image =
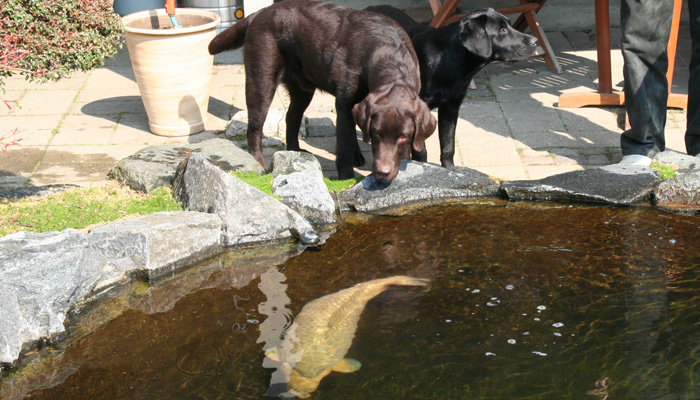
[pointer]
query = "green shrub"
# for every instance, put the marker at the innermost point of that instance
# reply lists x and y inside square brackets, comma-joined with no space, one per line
[49,39]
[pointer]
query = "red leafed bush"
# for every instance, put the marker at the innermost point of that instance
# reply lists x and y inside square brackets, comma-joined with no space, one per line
[49,39]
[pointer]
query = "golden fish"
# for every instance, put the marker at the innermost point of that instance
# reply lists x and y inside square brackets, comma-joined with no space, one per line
[321,335]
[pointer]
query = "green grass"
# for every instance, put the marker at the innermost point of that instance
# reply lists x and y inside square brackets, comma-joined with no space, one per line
[81,208]
[339,186]
[264,182]
[260,182]
[665,171]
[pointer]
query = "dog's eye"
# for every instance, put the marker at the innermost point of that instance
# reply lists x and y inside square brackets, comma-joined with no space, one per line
[503,31]
[402,139]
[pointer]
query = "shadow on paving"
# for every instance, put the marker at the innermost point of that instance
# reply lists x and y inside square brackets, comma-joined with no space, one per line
[42,163]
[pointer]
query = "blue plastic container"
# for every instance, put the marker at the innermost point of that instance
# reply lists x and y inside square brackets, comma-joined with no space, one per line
[126,7]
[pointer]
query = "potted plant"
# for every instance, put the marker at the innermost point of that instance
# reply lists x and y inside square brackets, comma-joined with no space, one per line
[172,66]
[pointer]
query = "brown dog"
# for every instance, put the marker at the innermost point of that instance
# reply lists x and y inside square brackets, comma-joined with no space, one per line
[364,59]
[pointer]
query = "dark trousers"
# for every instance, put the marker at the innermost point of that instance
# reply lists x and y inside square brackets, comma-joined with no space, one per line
[646,26]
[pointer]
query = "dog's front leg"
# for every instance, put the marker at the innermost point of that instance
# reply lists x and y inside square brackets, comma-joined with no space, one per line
[421,155]
[447,123]
[346,143]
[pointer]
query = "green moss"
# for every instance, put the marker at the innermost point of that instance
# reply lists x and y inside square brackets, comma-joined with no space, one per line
[665,171]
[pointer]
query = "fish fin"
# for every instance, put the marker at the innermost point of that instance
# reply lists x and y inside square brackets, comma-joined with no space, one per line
[273,354]
[347,365]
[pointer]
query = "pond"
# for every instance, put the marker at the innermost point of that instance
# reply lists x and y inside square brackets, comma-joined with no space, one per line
[524,301]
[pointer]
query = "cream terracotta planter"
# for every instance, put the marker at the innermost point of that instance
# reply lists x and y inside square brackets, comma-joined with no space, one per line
[173,67]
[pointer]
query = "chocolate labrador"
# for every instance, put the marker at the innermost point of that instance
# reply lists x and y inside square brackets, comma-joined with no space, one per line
[449,58]
[364,59]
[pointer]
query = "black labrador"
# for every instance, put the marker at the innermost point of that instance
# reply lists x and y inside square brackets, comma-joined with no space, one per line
[364,59]
[449,58]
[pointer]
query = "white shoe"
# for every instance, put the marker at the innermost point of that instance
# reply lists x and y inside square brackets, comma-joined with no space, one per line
[636,159]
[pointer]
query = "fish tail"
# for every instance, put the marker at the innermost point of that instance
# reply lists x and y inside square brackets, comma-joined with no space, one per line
[405,281]
[373,288]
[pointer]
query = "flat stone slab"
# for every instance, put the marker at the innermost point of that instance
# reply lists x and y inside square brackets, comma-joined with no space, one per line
[155,166]
[159,243]
[613,184]
[417,183]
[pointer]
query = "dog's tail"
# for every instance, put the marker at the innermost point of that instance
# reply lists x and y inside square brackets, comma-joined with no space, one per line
[232,38]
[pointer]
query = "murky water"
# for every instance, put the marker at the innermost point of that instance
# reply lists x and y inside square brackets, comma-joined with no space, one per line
[524,302]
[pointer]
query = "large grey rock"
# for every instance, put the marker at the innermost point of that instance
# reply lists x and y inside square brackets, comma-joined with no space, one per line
[249,215]
[613,184]
[287,162]
[156,244]
[417,183]
[680,162]
[42,275]
[10,325]
[155,166]
[679,195]
[307,195]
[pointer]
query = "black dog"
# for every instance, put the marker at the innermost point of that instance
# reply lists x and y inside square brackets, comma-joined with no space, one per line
[364,59]
[449,58]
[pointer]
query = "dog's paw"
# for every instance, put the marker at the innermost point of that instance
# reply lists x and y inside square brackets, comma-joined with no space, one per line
[449,164]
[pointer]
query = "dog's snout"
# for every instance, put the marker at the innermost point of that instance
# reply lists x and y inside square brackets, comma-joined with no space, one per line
[382,171]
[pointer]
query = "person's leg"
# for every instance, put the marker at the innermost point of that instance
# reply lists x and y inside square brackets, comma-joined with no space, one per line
[692,133]
[646,26]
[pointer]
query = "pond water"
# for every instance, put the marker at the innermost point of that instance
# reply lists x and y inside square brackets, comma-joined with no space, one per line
[524,301]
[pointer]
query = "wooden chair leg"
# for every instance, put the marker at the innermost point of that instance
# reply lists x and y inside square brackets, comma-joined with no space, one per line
[549,58]
[521,23]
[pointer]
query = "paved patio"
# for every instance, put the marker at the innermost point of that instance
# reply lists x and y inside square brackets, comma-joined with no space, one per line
[77,129]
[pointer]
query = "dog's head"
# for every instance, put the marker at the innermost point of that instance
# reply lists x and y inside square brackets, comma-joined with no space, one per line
[393,119]
[489,34]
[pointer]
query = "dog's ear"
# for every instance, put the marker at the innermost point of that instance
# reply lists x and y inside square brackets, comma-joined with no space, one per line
[472,34]
[362,113]
[424,123]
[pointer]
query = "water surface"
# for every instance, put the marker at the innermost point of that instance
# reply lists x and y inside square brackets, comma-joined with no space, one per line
[524,302]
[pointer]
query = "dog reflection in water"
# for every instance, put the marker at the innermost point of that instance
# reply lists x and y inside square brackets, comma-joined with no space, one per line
[318,340]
